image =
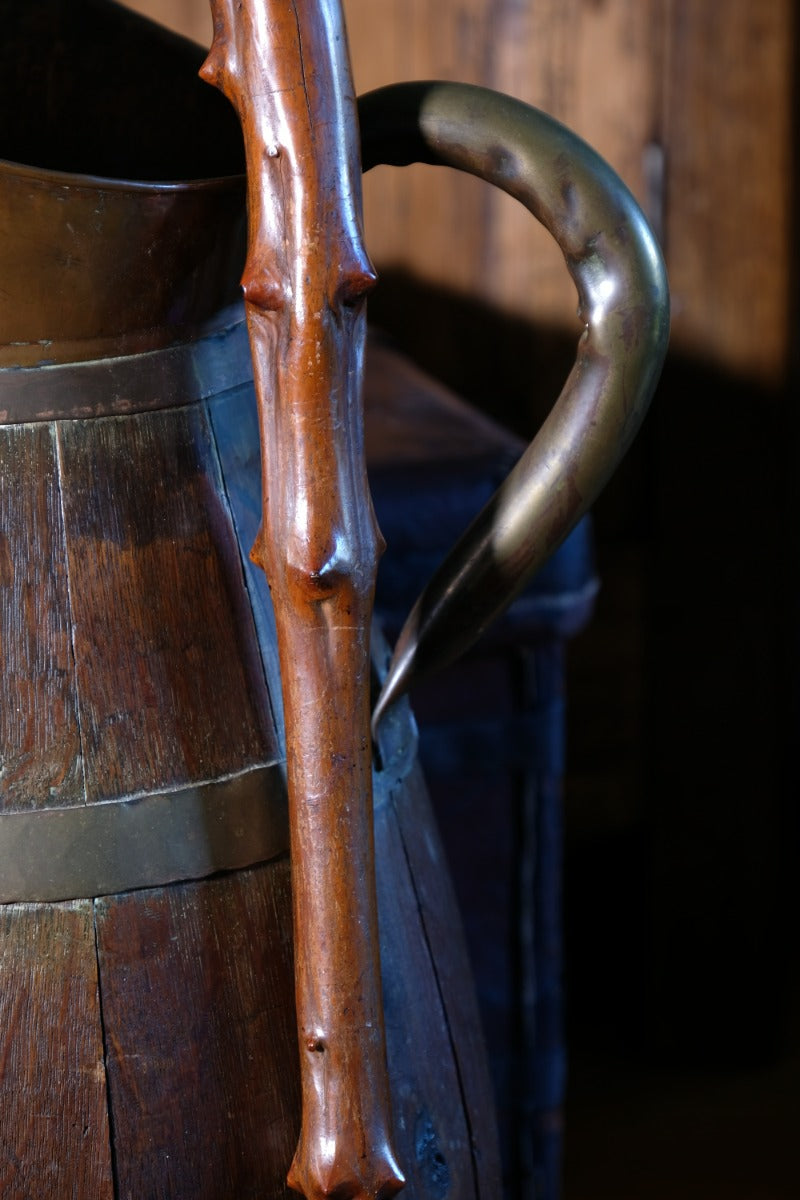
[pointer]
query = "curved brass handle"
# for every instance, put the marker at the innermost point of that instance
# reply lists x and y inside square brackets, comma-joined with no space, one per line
[624,302]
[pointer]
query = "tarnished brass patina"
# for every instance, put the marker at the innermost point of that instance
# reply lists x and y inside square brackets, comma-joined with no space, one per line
[121,191]
[618,270]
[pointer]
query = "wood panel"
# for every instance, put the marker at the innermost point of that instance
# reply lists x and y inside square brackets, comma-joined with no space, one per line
[192,18]
[430,222]
[729,91]
[40,760]
[594,67]
[198,990]
[690,104]
[559,56]
[170,679]
[54,1137]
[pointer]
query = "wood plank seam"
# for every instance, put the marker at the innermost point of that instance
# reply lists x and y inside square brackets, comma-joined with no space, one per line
[70,609]
[109,1100]
[464,1099]
[272,685]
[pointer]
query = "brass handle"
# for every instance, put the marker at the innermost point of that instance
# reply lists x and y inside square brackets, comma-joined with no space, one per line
[618,270]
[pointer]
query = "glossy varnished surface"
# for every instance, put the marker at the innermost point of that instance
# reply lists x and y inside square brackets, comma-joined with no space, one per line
[441,1100]
[284,66]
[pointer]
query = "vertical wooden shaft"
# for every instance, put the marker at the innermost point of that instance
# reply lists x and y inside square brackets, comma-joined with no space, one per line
[284,65]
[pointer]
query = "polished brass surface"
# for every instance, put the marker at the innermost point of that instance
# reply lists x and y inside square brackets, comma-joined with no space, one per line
[619,273]
[89,266]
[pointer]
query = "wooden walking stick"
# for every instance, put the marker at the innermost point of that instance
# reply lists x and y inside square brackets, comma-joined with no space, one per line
[284,66]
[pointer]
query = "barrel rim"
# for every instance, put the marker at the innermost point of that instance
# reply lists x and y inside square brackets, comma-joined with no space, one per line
[105,183]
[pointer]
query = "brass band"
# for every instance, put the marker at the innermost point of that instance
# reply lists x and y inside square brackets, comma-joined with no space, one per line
[144,841]
[152,840]
[163,378]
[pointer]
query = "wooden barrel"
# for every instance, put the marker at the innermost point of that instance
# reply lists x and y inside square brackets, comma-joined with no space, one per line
[149,1046]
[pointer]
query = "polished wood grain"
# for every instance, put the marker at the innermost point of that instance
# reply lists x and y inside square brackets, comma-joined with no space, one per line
[40,762]
[54,1132]
[171,689]
[285,68]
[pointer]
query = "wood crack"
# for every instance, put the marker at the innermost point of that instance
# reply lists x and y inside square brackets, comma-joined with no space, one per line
[70,608]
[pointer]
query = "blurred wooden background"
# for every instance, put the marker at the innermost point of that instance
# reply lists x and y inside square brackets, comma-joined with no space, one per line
[682,833]
[692,107]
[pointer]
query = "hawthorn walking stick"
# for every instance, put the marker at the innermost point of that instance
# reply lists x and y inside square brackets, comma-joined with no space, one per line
[284,66]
